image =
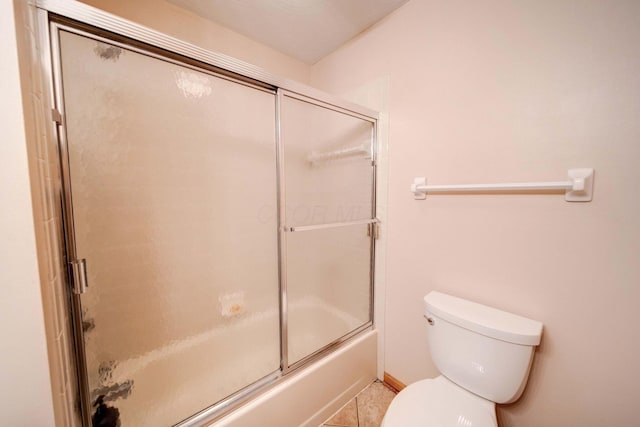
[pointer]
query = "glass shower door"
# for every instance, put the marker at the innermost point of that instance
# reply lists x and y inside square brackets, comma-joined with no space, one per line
[328,219]
[162,162]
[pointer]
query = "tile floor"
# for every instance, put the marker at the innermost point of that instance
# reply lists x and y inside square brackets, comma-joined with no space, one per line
[365,410]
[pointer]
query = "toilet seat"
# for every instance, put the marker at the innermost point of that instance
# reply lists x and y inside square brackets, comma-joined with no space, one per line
[439,403]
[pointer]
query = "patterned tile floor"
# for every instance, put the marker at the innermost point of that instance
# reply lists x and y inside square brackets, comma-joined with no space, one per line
[365,410]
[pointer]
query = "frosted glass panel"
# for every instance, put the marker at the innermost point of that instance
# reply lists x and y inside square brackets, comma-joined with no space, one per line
[182,305]
[328,170]
[328,286]
[328,179]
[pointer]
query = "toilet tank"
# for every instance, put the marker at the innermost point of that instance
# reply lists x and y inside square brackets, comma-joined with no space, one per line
[482,349]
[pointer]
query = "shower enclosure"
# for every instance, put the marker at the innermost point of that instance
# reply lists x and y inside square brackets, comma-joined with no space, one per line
[220,229]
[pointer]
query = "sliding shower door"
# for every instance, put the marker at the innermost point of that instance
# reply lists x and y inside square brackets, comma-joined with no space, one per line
[170,186]
[329,220]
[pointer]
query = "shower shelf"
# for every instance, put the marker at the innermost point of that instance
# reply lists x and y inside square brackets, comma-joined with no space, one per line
[358,150]
[579,187]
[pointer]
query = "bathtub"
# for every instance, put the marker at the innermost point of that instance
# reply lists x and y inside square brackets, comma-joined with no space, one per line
[304,397]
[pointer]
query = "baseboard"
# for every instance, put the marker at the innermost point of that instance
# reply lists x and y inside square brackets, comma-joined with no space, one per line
[393,382]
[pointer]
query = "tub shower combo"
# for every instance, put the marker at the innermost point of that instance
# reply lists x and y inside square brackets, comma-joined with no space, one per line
[220,222]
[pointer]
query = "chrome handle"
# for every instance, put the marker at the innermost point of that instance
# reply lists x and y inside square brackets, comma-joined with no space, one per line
[79,272]
[330,225]
[429,319]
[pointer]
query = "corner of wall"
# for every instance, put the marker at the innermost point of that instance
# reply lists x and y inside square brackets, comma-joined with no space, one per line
[25,387]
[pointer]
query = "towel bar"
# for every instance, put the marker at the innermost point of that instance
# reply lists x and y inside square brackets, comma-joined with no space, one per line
[579,187]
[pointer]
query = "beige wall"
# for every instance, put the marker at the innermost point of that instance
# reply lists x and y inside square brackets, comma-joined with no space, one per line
[25,388]
[175,21]
[515,91]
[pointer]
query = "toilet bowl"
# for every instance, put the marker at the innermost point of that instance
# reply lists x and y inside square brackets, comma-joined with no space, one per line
[439,402]
[484,355]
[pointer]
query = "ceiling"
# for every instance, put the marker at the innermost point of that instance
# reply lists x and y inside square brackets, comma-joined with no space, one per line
[304,29]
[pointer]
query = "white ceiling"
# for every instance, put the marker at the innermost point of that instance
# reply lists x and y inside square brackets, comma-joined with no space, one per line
[304,29]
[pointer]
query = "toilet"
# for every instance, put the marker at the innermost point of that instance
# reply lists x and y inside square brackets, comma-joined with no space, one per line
[484,356]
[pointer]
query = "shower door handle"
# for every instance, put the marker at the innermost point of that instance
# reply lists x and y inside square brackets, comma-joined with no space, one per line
[79,273]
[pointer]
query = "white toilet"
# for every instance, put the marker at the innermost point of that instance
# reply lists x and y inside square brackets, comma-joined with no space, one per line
[484,355]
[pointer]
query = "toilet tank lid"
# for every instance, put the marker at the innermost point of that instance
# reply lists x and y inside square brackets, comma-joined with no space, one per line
[484,320]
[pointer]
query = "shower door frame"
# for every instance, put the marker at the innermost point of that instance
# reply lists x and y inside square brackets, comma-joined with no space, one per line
[54,15]
[283,229]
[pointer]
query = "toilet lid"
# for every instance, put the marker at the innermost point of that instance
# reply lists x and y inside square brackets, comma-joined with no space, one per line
[439,403]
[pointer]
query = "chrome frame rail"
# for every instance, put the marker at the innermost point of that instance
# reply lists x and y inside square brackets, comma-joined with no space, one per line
[282,239]
[229,403]
[330,225]
[57,97]
[374,214]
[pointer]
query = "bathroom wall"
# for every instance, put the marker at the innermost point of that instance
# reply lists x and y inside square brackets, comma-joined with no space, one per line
[514,91]
[25,387]
[175,21]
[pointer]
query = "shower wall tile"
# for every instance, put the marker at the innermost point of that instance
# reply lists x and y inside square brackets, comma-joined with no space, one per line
[38,90]
[43,169]
[47,203]
[60,371]
[52,242]
[28,19]
[64,416]
[41,145]
[61,317]
[57,376]
[64,344]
